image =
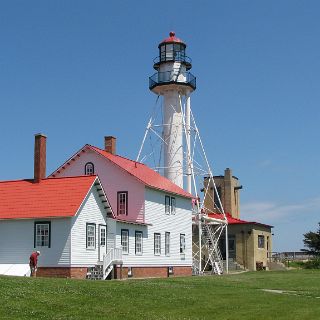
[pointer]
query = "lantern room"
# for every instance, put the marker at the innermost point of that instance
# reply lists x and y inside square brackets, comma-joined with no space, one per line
[172,66]
[172,49]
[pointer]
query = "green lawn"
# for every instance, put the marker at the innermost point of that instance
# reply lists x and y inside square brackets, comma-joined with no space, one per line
[238,296]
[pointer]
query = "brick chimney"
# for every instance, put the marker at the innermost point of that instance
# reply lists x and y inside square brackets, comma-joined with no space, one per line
[39,157]
[110,144]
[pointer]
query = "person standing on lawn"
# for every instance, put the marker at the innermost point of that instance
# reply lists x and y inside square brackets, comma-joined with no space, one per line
[33,263]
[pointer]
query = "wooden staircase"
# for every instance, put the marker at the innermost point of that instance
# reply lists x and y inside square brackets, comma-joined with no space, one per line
[102,270]
[95,273]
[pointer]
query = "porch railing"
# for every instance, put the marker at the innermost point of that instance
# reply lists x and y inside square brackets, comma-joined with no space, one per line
[113,256]
[167,77]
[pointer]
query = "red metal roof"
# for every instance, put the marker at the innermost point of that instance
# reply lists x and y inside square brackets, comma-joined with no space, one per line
[60,197]
[143,173]
[232,220]
[172,38]
[138,170]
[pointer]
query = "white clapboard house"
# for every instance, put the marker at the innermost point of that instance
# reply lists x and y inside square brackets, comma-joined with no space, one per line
[99,215]
[59,217]
[152,216]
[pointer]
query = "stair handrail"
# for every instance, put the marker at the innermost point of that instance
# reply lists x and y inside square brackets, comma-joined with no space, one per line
[107,258]
[113,254]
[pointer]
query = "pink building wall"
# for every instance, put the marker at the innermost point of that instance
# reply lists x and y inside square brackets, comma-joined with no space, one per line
[113,179]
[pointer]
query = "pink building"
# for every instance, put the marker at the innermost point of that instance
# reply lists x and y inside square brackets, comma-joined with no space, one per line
[152,216]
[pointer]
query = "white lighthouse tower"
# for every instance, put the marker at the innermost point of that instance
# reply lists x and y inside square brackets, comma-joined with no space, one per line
[175,83]
[173,147]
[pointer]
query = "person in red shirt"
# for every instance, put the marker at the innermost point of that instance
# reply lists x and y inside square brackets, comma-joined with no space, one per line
[33,263]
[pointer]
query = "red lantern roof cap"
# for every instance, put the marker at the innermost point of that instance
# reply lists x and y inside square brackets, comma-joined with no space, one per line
[172,38]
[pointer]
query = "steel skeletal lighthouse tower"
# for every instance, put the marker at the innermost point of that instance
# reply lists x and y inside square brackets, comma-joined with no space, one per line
[173,147]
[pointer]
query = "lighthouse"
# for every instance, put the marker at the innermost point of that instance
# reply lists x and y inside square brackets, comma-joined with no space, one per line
[174,82]
[172,146]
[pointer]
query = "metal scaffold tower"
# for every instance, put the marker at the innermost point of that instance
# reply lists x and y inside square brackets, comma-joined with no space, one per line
[206,230]
[172,146]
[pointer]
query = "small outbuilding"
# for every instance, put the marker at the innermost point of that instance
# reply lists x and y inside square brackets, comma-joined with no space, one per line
[249,242]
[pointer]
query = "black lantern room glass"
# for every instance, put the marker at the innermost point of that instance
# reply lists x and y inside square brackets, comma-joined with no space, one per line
[172,52]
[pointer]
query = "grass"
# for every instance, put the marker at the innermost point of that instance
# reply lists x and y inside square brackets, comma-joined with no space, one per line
[237,296]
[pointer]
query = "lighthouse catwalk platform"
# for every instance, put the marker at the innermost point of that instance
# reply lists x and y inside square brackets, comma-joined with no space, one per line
[173,147]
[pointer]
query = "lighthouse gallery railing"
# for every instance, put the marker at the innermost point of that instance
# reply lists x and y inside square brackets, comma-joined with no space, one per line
[160,78]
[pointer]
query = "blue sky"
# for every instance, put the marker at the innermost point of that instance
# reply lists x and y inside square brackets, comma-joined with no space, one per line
[78,70]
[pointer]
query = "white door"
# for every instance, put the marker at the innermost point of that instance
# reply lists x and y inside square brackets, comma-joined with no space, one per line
[102,241]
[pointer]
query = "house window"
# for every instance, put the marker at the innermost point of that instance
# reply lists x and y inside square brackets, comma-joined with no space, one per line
[167,204]
[167,244]
[138,245]
[217,196]
[102,237]
[89,168]
[42,234]
[173,205]
[122,203]
[231,244]
[260,241]
[182,243]
[157,244]
[170,205]
[125,241]
[91,236]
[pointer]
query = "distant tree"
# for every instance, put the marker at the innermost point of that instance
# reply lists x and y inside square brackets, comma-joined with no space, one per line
[312,242]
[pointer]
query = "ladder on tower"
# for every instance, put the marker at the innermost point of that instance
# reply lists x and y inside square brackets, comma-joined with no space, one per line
[211,244]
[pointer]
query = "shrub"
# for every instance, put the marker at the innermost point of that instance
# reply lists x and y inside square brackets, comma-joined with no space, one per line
[296,264]
[313,264]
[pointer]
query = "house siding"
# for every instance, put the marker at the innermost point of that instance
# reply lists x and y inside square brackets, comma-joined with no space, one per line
[112,234]
[176,224]
[17,242]
[91,211]
[113,179]
[68,238]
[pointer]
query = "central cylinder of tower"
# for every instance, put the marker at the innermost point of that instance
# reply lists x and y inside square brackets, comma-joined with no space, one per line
[172,137]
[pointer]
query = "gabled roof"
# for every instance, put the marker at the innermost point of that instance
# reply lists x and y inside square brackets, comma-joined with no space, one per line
[232,220]
[138,170]
[60,197]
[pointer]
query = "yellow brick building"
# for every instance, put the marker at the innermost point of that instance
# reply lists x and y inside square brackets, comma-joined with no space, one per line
[250,243]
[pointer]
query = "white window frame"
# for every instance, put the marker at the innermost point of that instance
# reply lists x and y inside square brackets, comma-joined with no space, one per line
[125,241]
[157,244]
[182,243]
[103,236]
[169,205]
[139,242]
[42,234]
[167,244]
[91,236]
[173,205]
